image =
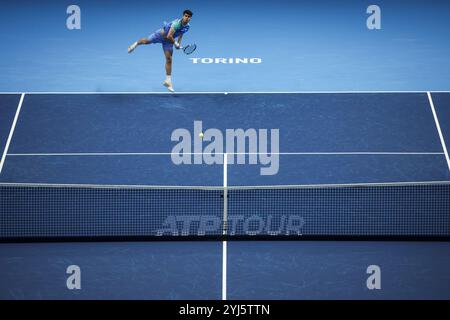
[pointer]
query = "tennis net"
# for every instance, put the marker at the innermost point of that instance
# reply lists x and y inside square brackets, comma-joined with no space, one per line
[29,211]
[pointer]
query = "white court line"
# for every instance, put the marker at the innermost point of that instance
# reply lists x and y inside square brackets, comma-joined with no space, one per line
[224,270]
[11,132]
[436,120]
[225,227]
[227,92]
[93,154]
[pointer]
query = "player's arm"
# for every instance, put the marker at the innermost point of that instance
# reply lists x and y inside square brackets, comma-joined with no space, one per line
[179,39]
[170,35]
[171,39]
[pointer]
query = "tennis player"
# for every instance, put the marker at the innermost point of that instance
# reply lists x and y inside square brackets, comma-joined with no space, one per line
[166,36]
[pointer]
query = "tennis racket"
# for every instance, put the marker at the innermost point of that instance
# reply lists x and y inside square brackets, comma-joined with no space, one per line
[188,49]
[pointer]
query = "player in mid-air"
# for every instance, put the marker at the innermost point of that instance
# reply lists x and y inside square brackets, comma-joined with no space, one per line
[166,36]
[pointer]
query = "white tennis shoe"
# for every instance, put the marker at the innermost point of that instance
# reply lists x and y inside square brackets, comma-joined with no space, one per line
[169,86]
[132,47]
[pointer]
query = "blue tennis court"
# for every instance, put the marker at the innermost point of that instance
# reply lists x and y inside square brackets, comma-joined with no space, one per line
[391,144]
[323,138]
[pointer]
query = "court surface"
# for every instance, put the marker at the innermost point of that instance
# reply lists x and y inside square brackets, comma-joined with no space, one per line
[324,138]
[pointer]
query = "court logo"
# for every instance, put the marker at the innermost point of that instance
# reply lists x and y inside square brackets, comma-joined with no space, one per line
[249,146]
[237,224]
[226,60]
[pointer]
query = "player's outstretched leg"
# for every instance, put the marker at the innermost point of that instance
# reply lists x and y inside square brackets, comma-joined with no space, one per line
[138,43]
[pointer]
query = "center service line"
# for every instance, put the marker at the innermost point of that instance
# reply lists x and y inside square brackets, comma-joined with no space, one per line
[225,219]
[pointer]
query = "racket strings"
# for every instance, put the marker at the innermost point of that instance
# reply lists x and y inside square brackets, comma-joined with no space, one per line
[190,48]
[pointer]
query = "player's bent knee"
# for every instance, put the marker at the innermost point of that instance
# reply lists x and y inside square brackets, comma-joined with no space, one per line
[144,41]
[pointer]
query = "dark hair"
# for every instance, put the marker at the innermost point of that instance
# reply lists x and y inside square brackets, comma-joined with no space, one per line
[189,12]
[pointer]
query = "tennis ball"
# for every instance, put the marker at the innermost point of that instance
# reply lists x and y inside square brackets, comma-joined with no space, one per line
[201,135]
